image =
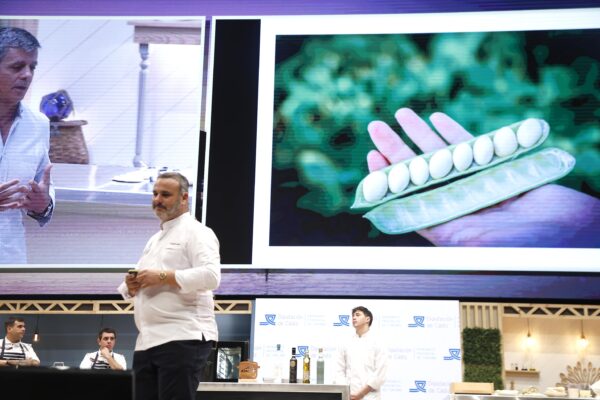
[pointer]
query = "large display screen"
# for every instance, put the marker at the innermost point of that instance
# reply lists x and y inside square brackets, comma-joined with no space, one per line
[288,110]
[317,107]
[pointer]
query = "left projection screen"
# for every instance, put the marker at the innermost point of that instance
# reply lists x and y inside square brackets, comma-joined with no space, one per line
[136,87]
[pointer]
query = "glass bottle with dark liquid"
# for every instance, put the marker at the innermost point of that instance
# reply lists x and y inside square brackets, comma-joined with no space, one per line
[293,367]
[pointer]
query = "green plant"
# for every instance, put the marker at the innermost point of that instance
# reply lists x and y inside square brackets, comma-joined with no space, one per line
[482,356]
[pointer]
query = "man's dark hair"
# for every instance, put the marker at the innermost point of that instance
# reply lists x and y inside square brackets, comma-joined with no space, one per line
[184,184]
[106,330]
[365,311]
[17,38]
[11,321]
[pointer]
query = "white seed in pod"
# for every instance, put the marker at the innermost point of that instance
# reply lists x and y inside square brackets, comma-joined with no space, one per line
[419,171]
[505,142]
[398,178]
[462,156]
[529,132]
[440,163]
[375,186]
[483,150]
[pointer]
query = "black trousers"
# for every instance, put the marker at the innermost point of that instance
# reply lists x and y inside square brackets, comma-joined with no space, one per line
[170,371]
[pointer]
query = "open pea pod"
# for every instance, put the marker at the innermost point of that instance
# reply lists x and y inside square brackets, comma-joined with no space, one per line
[472,193]
[361,202]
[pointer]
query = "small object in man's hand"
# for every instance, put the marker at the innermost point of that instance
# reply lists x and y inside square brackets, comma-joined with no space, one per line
[133,272]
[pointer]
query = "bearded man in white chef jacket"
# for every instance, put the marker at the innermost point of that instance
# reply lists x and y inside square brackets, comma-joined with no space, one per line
[172,291]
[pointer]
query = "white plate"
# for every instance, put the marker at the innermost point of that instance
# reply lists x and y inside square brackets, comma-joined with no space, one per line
[555,394]
[506,392]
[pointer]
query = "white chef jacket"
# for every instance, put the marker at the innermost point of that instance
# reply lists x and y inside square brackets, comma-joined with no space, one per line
[164,313]
[360,362]
[97,360]
[17,351]
[24,157]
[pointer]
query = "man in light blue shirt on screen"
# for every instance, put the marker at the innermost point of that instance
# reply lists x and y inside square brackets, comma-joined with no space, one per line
[25,184]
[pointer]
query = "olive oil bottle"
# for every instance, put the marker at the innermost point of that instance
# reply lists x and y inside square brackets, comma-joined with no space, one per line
[306,368]
[293,367]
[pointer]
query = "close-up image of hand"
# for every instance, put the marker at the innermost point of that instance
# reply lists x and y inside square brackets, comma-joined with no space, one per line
[38,196]
[11,194]
[548,216]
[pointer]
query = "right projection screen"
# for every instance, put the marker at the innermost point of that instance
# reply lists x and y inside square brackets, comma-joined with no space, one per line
[463,141]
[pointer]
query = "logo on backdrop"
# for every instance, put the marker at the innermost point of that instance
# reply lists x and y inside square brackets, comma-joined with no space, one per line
[343,321]
[301,351]
[419,387]
[269,319]
[419,322]
[454,355]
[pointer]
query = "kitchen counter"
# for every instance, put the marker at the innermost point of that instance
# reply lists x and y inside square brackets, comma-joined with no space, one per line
[495,397]
[94,184]
[272,391]
[96,220]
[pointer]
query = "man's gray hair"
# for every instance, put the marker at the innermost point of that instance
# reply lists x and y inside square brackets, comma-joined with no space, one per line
[184,184]
[17,38]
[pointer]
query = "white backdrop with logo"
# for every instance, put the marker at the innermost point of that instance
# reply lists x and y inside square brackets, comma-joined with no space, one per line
[422,337]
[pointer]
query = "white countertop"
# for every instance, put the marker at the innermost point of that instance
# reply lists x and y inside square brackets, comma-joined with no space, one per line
[94,184]
[344,390]
[518,397]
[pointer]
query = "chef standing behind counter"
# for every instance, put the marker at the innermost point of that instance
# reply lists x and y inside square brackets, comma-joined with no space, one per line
[362,362]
